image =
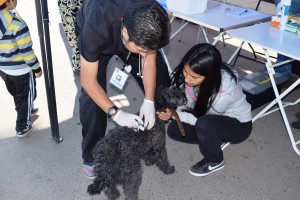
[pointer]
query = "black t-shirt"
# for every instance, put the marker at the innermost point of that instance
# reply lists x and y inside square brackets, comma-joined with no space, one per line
[100,27]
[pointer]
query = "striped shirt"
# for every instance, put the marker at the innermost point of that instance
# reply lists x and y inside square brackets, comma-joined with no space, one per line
[16,51]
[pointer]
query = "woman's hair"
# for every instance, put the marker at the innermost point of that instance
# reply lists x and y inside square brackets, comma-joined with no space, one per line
[204,59]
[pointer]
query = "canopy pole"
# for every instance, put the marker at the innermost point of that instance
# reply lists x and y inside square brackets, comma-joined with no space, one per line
[44,36]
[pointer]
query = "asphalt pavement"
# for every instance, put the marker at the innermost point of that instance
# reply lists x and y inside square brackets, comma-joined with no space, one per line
[264,167]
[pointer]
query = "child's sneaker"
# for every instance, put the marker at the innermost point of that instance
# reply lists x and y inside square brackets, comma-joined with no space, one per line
[25,131]
[204,167]
[88,170]
[34,111]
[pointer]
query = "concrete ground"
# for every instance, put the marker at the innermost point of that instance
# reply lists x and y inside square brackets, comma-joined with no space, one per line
[35,167]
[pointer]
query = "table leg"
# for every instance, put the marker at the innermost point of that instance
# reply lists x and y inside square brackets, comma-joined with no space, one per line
[204,33]
[235,53]
[217,38]
[176,32]
[277,100]
[166,60]
[172,36]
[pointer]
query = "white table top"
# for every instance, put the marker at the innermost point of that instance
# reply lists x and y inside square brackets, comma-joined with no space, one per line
[270,38]
[222,17]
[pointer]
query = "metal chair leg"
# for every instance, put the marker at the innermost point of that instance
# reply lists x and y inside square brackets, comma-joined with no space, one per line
[180,34]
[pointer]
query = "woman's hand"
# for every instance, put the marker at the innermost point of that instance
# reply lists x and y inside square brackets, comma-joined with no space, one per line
[165,115]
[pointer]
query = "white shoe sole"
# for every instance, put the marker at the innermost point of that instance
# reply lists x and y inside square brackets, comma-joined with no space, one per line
[195,174]
[89,177]
[24,135]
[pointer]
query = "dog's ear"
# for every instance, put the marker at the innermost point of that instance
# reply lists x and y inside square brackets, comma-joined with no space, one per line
[169,97]
[178,96]
[159,99]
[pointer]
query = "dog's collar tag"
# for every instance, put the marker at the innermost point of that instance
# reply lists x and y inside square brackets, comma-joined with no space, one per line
[118,78]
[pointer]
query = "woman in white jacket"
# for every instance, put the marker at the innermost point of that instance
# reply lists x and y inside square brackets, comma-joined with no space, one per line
[216,112]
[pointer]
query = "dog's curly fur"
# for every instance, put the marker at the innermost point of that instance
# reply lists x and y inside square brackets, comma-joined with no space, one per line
[118,155]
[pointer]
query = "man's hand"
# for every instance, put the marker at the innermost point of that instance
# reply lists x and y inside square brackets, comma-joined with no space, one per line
[147,112]
[127,119]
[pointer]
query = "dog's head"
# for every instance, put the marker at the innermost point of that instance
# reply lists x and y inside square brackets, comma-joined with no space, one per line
[169,97]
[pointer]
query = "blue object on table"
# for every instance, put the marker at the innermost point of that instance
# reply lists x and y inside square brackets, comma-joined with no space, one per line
[162,3]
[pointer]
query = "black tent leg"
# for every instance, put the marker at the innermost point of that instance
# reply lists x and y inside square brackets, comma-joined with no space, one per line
[43,30]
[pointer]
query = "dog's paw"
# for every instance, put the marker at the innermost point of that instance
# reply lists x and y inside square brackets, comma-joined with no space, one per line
[169,170]
[92,190]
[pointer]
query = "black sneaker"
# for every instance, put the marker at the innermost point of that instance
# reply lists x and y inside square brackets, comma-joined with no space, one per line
[34,111]
[25,131]
[224,145]
[204,167]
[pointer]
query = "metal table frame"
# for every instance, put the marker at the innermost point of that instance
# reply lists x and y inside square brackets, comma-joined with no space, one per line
[283,42]
[217,17]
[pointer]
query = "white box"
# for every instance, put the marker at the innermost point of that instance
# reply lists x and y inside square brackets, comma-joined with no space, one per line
[187,6]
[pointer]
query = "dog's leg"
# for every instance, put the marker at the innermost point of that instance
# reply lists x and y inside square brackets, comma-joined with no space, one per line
[132,184]
[102,180]
[150,157]
[96,187]
[112,192]
[162,162]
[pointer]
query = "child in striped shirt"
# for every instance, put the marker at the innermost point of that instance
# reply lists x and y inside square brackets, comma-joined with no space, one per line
[18,64]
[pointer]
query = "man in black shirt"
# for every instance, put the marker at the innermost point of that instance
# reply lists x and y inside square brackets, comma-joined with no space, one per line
[103,29]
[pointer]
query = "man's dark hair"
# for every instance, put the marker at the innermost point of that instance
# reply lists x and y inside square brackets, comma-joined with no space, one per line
[148,25]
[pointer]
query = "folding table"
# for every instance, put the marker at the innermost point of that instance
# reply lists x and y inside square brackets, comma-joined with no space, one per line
[283,42]
[218,16]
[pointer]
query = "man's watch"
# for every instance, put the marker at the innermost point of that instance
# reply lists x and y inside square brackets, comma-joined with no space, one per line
[112,111]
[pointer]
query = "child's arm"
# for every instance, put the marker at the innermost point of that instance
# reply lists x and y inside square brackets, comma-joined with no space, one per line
[24,42]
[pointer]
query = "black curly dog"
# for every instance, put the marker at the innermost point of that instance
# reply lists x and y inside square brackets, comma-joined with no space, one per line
[118,155]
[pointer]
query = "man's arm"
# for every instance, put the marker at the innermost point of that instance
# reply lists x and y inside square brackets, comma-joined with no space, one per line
[149,75]
[88,78]
[147,111]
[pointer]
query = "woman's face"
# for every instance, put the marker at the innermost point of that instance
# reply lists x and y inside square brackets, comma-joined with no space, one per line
[191,78]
